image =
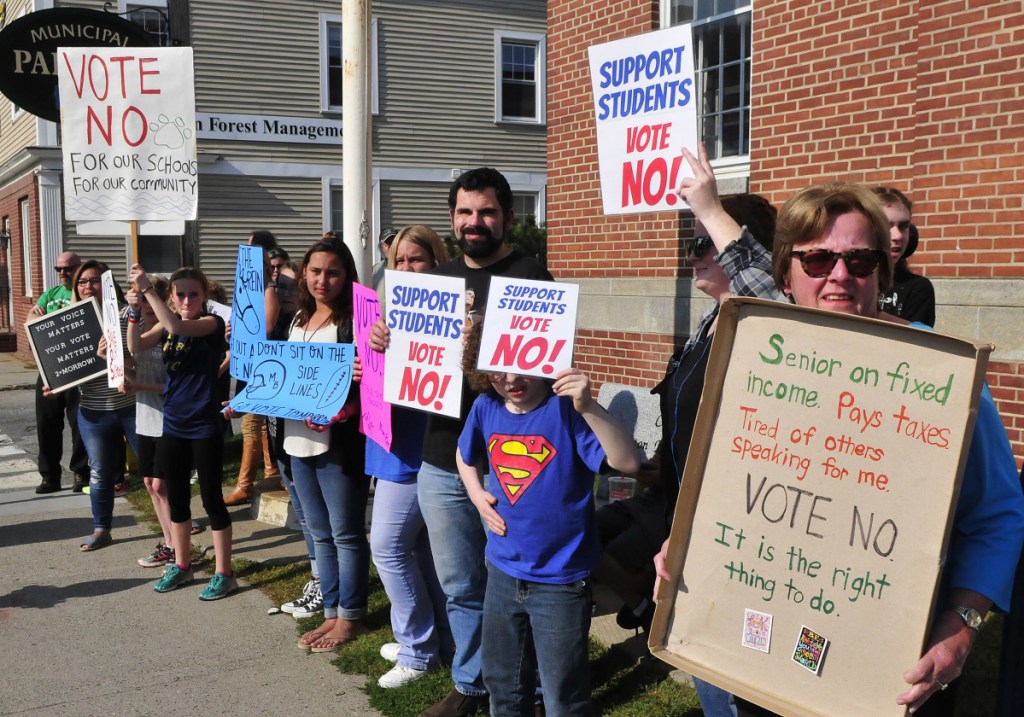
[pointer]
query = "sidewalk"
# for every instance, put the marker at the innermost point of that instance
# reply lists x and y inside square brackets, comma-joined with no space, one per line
[16,372]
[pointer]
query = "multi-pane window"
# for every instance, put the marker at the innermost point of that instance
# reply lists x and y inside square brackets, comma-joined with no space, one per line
[151,17]
[524,204]
[721,40]
[331,63]
[519,77]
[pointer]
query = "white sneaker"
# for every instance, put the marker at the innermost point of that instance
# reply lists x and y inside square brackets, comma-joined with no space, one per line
[389,651]
[308,591]
[399,676]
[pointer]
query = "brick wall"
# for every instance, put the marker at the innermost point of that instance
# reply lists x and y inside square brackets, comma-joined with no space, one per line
[24,188]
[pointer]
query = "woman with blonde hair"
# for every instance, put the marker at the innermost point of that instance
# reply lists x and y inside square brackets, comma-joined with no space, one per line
[398,537]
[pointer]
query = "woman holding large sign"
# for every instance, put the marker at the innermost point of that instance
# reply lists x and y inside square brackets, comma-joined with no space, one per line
[328,461]
[831,252]
[106,418]
[398,540]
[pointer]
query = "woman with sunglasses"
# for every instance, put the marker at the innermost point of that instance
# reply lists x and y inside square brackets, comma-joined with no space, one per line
[723,266]
[106,418]
[831,252]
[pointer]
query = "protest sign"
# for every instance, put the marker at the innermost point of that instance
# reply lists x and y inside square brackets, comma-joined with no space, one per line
[128,133]
[530,327]
[112,332]
[815,506]
[645,109]
[424,362]
[298,380]
[375,416]
[64,344]
[218,309]
[248,311]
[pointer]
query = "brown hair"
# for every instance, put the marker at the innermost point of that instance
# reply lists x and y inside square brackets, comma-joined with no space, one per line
[84,267]
[423,237]
[477,380]
[341,311]
[756,213]
[804,217]
[189,272]
[891,195]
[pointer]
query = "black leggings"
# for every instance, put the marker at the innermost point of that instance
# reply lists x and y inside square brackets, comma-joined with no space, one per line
[176,457]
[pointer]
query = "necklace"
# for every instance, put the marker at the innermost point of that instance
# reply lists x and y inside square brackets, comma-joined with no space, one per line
[305,335]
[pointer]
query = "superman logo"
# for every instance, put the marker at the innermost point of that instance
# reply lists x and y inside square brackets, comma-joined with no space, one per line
[517,461]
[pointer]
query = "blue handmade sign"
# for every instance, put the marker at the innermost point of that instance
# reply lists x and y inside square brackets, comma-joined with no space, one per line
[296,379]
[248,311]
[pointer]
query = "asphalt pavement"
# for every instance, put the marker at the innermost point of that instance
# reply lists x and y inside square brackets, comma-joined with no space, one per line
[85,634]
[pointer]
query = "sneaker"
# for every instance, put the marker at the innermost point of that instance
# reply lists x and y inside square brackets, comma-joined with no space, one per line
[307,593]
[173,577]
[158,558]
[312,606]
[399,676]
[389,651]
[220,586]
[120,489]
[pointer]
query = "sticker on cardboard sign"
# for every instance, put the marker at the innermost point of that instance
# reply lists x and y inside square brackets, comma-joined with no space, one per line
[757,630]
[810,649]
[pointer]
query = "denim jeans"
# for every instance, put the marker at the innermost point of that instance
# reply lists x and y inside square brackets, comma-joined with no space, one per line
[714,701]
[401,552]
[457,541]
[335,508]
[293,495]
[532,628]
[101,433]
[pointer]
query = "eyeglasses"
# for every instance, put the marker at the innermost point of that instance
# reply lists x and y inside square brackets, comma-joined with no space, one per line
[95,281]
[819,263]
[699,246]
[66,269]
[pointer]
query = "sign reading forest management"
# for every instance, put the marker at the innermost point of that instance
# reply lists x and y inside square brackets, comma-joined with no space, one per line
[268,128]
[814,507]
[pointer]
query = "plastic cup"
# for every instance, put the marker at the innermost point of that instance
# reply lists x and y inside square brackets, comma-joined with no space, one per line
[620,487]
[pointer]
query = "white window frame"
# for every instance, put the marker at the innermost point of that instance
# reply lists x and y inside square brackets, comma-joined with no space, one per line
[538,40]
[25,229]
[735,166]
[326,20]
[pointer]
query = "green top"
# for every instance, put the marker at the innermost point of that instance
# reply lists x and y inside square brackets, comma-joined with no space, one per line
[54,299]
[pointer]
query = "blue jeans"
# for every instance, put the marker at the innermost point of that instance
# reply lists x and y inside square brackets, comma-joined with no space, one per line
[300,516]
[335,509]
[715,701]
[532,628]
[401,552]
[101,433]
[457,541]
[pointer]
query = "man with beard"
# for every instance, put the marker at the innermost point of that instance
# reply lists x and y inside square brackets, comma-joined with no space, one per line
[480,207]
[51,410]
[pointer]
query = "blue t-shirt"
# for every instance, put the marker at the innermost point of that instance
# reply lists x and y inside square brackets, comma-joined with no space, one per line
[191,402]
[542,473]
[403,462]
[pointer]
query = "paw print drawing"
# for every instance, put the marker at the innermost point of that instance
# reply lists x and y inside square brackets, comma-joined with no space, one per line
[170,134]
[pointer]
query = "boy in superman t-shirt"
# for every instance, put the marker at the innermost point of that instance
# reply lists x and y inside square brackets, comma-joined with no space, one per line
[544,443]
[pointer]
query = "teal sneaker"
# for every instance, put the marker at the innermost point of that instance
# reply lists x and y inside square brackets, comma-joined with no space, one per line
[173,577]
[220,586]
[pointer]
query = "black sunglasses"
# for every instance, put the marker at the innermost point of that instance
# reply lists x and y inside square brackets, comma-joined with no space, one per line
[699,246]
[819,263]
[66,269]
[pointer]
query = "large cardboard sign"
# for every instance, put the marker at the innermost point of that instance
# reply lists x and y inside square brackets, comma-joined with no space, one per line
[298,380]
[645,110]
[814,507]
[128,133]
[64,344]
[425,314]
[112,332]
[530,327]
[248,311]
[375,412]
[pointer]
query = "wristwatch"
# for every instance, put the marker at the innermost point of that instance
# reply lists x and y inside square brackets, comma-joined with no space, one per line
[971,617]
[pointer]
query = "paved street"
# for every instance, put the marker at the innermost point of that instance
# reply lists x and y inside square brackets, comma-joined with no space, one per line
[84,633]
